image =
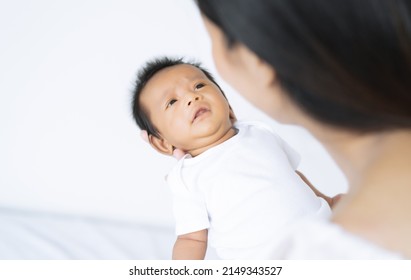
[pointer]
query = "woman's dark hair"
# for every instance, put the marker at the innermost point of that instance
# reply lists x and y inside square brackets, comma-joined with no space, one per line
[144,75]
[345,62]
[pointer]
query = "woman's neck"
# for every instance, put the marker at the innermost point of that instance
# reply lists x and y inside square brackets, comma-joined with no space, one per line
[377,206]
[378,168]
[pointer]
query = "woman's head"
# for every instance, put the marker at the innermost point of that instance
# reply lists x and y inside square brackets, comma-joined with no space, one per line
[345,63]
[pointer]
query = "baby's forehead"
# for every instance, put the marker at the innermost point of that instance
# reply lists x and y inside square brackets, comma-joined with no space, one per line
[173,76]
[183,72]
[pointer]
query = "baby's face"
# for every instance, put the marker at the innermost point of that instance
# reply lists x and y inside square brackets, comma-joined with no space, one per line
[188,110]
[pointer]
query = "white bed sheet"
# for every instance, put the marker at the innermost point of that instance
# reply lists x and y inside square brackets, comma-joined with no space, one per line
[43,235]
[36,235]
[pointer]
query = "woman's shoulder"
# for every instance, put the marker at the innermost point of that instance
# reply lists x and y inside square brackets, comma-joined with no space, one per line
[321,239]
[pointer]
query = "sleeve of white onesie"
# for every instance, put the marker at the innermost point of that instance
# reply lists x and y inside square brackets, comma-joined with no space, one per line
[189,207]
[293,156]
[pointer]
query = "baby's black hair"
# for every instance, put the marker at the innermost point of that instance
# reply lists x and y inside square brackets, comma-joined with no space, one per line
[144,75]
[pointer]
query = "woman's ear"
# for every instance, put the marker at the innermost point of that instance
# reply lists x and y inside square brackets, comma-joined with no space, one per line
[161,145]
[262,71]
[267,73]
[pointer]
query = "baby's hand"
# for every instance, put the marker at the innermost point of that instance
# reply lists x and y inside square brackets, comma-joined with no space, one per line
[177,153]
[335,199]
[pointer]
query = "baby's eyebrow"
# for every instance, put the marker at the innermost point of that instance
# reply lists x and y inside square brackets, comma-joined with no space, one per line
[167,92]
[198,77]
[166,96]
[195,76]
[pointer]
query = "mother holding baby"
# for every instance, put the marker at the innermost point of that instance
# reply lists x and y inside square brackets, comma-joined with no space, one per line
[341,69]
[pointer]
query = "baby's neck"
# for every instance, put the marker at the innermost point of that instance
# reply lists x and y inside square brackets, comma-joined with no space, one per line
[230,133]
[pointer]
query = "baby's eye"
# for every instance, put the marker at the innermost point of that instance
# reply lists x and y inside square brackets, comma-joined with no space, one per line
[171,102]
[200,85]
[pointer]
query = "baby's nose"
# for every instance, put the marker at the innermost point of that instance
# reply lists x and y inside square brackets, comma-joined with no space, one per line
[191,100]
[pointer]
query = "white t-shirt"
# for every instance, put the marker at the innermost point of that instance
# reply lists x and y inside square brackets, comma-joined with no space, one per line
[244,191]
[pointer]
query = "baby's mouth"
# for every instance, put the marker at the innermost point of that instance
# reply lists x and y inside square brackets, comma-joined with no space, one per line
[200,112]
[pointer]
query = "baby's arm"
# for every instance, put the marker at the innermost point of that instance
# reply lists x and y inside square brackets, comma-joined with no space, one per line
[191,246]
[332,201]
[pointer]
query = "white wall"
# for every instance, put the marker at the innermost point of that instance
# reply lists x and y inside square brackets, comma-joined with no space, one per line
[67,139]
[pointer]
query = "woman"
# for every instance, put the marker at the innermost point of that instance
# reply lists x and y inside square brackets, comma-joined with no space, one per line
[341,69]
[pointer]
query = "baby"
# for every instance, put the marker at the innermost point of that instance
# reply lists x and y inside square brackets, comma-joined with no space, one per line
[237,186]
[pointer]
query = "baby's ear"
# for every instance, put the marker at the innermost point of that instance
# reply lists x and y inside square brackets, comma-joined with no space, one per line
[161,145]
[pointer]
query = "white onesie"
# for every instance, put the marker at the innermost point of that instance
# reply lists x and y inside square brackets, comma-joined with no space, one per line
[244,191]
